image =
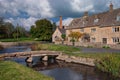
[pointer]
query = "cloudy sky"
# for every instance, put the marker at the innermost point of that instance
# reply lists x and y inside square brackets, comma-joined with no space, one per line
[26,12]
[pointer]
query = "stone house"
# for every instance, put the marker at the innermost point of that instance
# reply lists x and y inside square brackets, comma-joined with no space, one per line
[56,37]
[98,28]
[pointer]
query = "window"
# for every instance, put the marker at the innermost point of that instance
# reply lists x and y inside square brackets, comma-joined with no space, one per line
[104,40]
[116,39]
[81,30]
[93,30]
[115,29]
[96,20]
[93,39]
[118,18]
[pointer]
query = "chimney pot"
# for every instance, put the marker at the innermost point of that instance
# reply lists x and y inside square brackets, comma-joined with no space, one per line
[111,7]
[85,13]
[60,25]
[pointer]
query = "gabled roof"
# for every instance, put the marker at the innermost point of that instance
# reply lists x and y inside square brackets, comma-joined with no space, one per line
[104,19]
[62,30]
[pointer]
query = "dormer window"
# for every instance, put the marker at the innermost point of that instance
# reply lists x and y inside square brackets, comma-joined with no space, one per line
[118,18]
[115,29]
[96,20]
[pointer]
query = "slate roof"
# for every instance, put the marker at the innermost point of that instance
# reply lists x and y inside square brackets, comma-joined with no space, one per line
[104,19]
[62,30]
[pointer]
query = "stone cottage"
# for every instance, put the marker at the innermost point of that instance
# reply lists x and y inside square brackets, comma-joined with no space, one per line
[56,37]
[98,28]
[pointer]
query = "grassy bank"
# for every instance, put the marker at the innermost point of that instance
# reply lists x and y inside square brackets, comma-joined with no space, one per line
[70,50]
[14,71]
[110,64]
[106,62]
[16,40]
[53,47]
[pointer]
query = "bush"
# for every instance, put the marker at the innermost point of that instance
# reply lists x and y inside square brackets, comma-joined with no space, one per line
[106,47]
[110,64]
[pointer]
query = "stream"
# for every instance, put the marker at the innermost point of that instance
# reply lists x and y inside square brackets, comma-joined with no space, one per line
[59,70]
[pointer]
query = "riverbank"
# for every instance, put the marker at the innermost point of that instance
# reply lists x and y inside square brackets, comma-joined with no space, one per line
[106,62]
[1,47]
[14,71]
[73,54]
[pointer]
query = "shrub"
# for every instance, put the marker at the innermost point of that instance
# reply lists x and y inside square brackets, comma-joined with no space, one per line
[110,64]
[106,47]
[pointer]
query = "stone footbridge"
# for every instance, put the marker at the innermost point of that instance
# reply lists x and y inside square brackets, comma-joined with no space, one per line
[45,55]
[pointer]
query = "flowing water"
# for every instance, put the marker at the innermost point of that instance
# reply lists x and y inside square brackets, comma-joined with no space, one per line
[59,70]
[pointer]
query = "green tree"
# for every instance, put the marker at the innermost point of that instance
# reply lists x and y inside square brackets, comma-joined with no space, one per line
[33,31]
[19,32]
[42,30]
[75,36]
[63,37]
[6,29]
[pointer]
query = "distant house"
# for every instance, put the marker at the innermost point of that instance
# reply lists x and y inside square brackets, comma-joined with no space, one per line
[56,37]
[98,28]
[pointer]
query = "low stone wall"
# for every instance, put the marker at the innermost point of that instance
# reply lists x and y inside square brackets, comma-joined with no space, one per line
[80,60]
[96,45]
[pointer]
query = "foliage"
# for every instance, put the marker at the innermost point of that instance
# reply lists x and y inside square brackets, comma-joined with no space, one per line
[63,36]
[106,47]
[75,35]
[14,71]
[42,30]
[7,30]
[54,26]
[110,64]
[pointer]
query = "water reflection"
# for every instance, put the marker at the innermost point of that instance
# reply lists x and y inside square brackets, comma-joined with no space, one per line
[15,49]
[61,70]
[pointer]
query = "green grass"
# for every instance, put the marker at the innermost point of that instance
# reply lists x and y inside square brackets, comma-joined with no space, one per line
[16,40]
[106,62]
[71,50]
[14,71]
[53,47]
[110,64]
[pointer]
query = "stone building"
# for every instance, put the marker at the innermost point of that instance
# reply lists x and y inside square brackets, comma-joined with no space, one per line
[56,37]
[98,28]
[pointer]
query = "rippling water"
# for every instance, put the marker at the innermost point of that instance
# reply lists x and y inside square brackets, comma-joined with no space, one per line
[59,70]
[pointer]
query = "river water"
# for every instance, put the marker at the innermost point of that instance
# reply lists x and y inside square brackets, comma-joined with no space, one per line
[59,70]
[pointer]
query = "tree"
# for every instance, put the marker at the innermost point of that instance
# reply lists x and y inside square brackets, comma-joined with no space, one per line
[54,26]
[33,31]
[19,32]
[63,37]
[6,29]
[42,30]
[75,36]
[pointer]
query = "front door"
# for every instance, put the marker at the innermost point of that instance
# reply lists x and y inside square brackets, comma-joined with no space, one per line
[105,40]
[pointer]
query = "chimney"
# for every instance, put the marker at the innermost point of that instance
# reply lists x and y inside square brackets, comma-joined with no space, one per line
[86,13]
[111,7]
[60,25]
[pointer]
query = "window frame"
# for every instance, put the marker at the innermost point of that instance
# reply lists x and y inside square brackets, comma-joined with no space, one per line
[118,18]
[116,39]
[93,29]
[115,29]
